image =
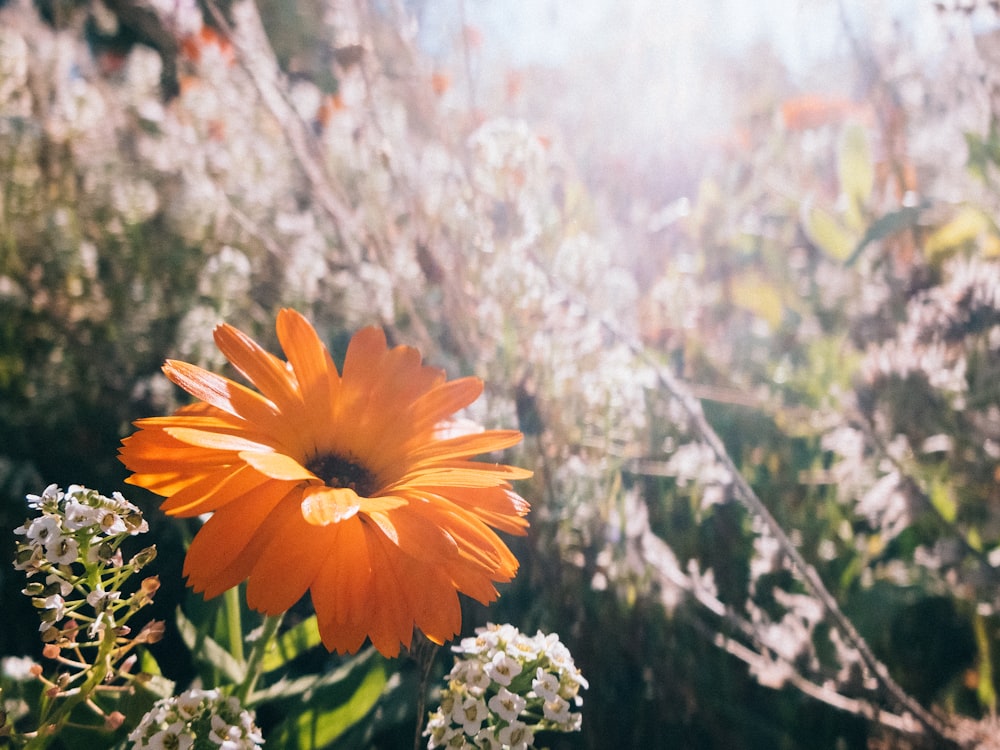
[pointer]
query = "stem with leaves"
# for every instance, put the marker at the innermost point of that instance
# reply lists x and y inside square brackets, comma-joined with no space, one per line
[746,494]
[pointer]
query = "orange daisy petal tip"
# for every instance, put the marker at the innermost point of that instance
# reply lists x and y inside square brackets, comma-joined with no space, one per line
[355,486]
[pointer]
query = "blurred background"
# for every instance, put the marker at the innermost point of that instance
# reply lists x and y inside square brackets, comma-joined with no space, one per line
[784,212]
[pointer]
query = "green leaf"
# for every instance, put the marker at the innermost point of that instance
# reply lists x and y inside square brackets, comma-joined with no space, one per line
[207,651]
[856,172]
[827,233]
[985,690]
[333,709]
[752,291]
[886,226]
[943,501]
[154,681]
[292,643]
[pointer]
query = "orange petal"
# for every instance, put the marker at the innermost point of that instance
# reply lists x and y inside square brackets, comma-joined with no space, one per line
[214,441]
[222,393]
[271,376]
[482,475]
[314,368]
[340,592]
[213,491]
[323,505]
[277,465]
[287,565]
[464,446]
[364,353]
[443,401]
[415,534]
[217,558]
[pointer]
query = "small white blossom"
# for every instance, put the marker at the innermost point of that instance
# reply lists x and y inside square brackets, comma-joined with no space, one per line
[557,710]
[176,718]
[62,551]
[472,674]
[470,714]
[79,515]
[545,685]
[487,739]
[517,735]
[41,530]
[502,668]
[488,700]
[17,668]
[507,705]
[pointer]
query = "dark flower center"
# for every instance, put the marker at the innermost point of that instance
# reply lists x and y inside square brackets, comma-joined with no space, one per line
[339,472]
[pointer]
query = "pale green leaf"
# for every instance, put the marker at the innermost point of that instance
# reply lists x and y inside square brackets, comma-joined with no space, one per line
[208,651]
[856,172]
[965,227]
[292,643]
[943,500]
[828,234]
[753,292]
[985,689]
[330,713]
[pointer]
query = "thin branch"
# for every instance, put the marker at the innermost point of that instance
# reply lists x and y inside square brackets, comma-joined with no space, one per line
[259,62]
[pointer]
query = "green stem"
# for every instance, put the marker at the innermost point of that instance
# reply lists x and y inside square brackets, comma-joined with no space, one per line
[234,622]
[255,663]
[49,726]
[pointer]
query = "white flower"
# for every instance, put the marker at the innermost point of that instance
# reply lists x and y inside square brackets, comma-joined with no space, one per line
[472,674]
[556,710]
[62,551]
[445,737]
[470,714]
[55,603]
[487,739]
[99,598]
[524,648]
[17,668]
[474,645]
[65,587]
[502,668]
[507,705]
[173,718]
[42,530]
[79,515]
[571,682]
[517,735]
[173,737]
[545,685]
[224,734]
[50,494]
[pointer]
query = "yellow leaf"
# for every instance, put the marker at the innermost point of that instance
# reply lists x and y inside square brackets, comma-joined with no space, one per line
[856,172]
[828,234]
[754,293]
[943,501]
[964,227]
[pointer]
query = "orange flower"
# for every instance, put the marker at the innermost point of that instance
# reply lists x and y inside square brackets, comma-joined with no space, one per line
[356,487]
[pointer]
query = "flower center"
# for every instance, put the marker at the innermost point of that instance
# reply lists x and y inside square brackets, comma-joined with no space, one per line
[339,472]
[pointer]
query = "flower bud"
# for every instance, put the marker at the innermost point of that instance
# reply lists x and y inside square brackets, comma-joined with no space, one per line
[114,720]
[142,558]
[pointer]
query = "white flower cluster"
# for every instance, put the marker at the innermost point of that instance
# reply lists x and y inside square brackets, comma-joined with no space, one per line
[506,688]
[78,526]
[194,716]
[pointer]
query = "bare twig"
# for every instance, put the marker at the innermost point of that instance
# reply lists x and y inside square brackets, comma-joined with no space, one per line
[258,60]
